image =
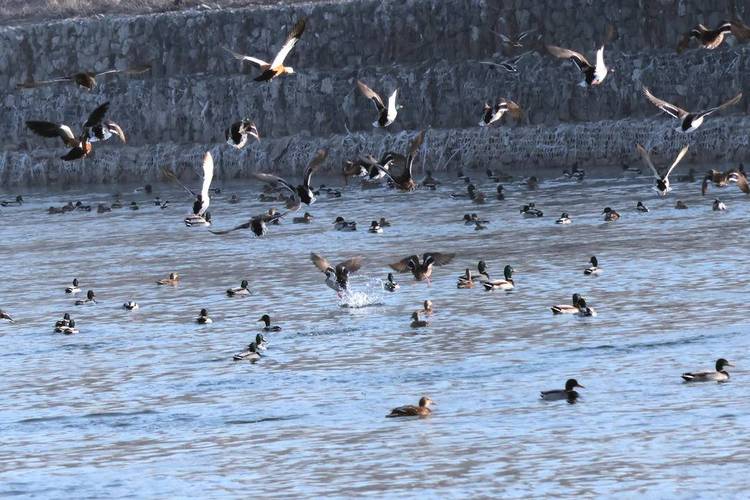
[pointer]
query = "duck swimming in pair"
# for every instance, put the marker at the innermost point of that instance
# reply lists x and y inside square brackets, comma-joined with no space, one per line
[337,278]
[422,410]
[471,219]
[662,180]
[422,270]
[241,291]
[504,284]
[90,299]
[7,317]
[250,354]
[641,207]
[340,224]
[530,210]
[68,329]
[610,215]
[131,305]
[389,285]
[718,206]
[719,375]
[203,318]
[266,319]
[465,280]
[416,322]
[564,219]
[569,393]
[375,228]
[594,269]
[174,279]
[567,308]
[74,288]
[305,219]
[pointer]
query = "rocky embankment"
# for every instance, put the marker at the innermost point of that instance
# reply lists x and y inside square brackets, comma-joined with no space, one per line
[429,49]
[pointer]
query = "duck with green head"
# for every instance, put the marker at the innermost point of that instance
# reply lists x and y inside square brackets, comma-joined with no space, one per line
[241,291]
[266,319]
[503,284]
[718,375]
[567,308]
[569,393]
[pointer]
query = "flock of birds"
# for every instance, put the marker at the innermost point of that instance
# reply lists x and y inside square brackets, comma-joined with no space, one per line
[396,169]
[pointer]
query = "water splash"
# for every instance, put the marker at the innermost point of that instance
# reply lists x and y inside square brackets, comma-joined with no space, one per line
[371,294]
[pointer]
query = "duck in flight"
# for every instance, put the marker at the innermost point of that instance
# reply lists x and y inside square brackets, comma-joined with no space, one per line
[239,132]
[404,181]
[304,192]
[422,270]
[722,179]
[711,38]
[276,67]
[491,114]
[386,113]
[94,129]
[593,74]
[337,278]
[662,181]
[258,224]
[689,121]
[509,65]
[200,215]
[84,79]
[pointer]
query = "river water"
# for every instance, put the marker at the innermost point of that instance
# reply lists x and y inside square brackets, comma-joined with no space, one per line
[150,404]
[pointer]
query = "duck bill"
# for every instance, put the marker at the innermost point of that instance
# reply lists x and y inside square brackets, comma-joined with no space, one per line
[579,385]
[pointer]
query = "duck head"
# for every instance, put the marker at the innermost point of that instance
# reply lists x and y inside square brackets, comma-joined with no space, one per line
[594,261]
[508,272]
[204,312]
[721,363]
[427,305]
[576,299]
[606,210]
[390,277]
[415,315]
[244,284]
[90,295]
[75,281]
[266,319]
[259,339]
[425,402]
[572,384]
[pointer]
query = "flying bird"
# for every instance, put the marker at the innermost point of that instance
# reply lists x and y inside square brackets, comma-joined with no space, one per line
[86,80]
[662,181]
[386,113]
[337,278]
[491,114]
[593,75]
[689,121]
[712,38]
[303,192]
[200,215]
[422,270]
[508,65]
[722,179]
[238,133]
[257,224]
[514,41]
[404,181]
[276,67]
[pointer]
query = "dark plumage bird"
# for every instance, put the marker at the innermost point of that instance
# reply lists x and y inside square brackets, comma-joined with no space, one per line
[720,375]
[662,180]
[9,203]
[405,181]
[386,112]
[239,132]
[491,114]
[689,121]
[712,38]
[276,67]
[509,65]
[337,278]
[303,192]
[4,315]
[86,79]
[722,179]
[422,410]
[593,74]
[258,224]
[568,393]
[422,270]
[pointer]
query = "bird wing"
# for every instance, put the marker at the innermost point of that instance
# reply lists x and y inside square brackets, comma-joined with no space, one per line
[170,175]
[117,130]
[647,160]
[392,105]
[291,41]
[320,262]
[274,180]
[402,266]
[684,41]
[130,71]
[437,258]
[677,160]
[49,129]
[562,53]
[515,109]
[371,94]
[208,176]
[353,264]
[316,162]
[740,30]
[33,84]
[246,225]
[601,69]
[243,57]
[742,183]
[704,184]
[734,100]
[668,108]
[96,116]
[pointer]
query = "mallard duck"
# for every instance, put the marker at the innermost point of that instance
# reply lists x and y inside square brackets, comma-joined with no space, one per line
[416,322]
[238,133]
[303,193]
[492,114]
[200,215]
[90,299]
[530,210]
[357,168]
[260,342]
[422,270]
[266,319]
[389,285]
[465,280]
[500,195]
[567,308]
[386,113]
[131,305]
[305,219]
[68,329]
[720,375]
[4,315]
[594,270]
[384,222]
[427,308]
[662,181]
[340,224]
[722,179]
[712,38]
[74,288]
[404,181]
[568,393]
[680,205]
[482,269]
[593,75]
[258,224]
[337,278]
[276,67]
[65,321]
[85,79]
[564,219]
[203,318]
[641,207]
[718,205]
[584,309]
[250,354]
[375,228]
[504,284]
[174,279]
[610,215]
[242,290]
[9,203]
[689,121]
[423,410]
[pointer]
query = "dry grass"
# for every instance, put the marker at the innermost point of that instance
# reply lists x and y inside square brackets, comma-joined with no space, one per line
[38,10]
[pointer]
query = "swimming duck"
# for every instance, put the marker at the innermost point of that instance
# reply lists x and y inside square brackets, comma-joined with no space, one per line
[504,284]
[530,210]
[564,219]
[422,270]
[567,308]
[238,133]
[116,204]
[54,210]
[610,215]
[722,179]
[429,181]
[423,410]
[662,181]
[478,198]
[375,227]
[305,219]
[720,375]
[340,224]
[17,202]
[532,183]
[500,195]
[74,287]
[482,269]
[134,205]
[276,67]
[83,208]
[719,205]
[471,219]
[479,226]
[258,224]
[131,305]
[386,113]
[689,121]
[266,319]
[492,114]
[641,207]
[568,393]
[465,280]
[427,308]
[68,207]
[4,315]
[164,205]
[303,193]
[85,79]
[234,199]
[593,75]
[337,278]
[584,309]
[470,193]
[491,175]
[390,285]
[242,290]
[416,322]
[90,299]
[711,38]
[101,208]
[680,205]
[260,342]
[203,318]
[577,174]
[250,354]
[65,321]
[173,279]
[594,270]
[384,222]
[68,329]
[404,181]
